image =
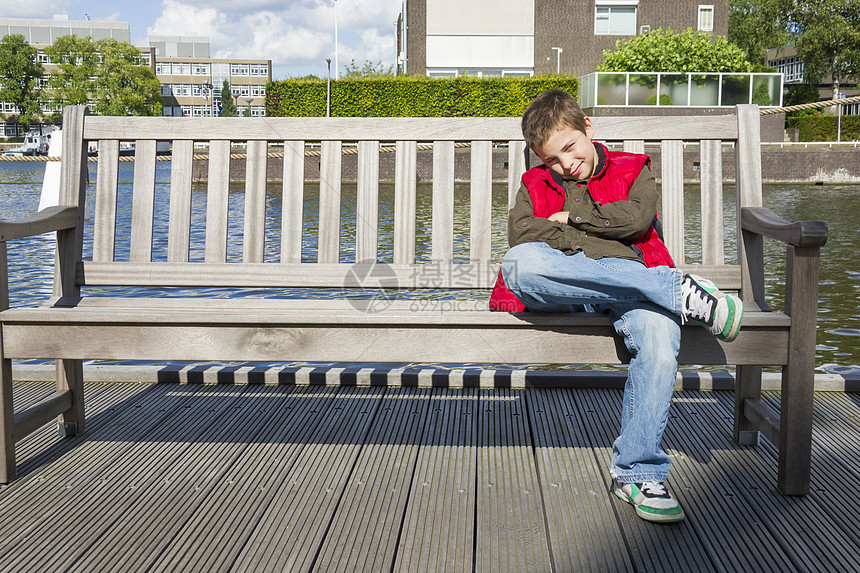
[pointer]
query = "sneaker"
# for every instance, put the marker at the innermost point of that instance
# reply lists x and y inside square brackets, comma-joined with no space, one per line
[704,304]
[651,499]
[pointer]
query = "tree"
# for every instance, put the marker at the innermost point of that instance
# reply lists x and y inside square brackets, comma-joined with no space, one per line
[756,26]
[368,70]
[124,86]
[827,36]
[670,51]
[77,62]
[228,106]
[20,72]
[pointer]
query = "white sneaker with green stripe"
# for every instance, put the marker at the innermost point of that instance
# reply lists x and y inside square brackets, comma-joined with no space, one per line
[704,304]
[652,500]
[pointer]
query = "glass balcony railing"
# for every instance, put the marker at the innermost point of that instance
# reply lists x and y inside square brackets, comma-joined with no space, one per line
[724,89]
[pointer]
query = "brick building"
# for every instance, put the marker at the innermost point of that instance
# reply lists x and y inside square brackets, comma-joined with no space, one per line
[446,38]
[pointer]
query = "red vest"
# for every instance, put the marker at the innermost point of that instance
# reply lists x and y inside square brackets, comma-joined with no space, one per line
[612,184]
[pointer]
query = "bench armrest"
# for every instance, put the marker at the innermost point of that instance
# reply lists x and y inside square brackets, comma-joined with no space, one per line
[47,220]
[763,221]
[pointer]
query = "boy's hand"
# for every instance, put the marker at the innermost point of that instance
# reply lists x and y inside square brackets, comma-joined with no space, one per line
[560,217]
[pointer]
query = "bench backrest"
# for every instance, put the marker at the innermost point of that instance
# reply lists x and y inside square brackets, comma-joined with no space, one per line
[175,239]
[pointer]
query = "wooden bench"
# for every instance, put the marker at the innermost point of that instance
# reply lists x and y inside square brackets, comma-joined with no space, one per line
[192,248]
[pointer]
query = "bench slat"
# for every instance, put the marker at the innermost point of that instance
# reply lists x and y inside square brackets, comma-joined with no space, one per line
[329,202]
[395,128]
[434,275]
[367,208]
[711,170]
[634,146]
[254,235]
[516,167]
[104,226]
[409,338]
[179,227]
[292,201]
[143,201]
[673,198]
[405,192]
[481,202]
[217,201]
[443,202]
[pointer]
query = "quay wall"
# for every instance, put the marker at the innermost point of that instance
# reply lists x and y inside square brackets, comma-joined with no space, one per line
[779,165]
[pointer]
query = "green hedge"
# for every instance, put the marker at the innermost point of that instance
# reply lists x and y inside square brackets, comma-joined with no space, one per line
[824,127]
[411,96]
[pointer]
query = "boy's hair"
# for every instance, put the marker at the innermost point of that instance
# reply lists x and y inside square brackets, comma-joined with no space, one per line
[549,112]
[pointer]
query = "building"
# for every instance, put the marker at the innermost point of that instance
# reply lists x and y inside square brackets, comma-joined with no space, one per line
[785,61]
[191,81]
[41,33]
[445,38]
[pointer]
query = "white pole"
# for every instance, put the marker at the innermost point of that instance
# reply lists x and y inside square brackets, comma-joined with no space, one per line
[336,67]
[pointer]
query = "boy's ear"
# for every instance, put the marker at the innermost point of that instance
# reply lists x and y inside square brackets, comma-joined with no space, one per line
[589,129]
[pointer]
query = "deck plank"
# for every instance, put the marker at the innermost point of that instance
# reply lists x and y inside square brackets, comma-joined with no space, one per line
[291,532]
[109,474]
[511,532]
[583,530]
[438,530]
[215,535]
[236,478]
[785,518]
[181,487]
[363,534]
[674,548]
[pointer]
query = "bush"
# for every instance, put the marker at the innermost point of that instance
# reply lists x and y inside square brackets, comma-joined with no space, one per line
[410,96]
[825,128]
[665,99]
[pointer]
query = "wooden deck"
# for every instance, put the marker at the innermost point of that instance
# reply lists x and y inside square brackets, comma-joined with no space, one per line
[171,477]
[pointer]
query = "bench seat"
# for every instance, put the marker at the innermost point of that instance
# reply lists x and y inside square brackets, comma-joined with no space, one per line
[350,331]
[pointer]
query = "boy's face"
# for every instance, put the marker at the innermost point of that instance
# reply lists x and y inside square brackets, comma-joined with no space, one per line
[570,152]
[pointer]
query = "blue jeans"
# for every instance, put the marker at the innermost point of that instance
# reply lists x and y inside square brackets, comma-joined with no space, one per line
[644,304]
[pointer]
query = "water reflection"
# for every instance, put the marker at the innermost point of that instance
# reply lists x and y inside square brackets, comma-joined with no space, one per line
[838,349]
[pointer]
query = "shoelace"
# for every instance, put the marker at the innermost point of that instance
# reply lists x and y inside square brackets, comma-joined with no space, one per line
[700,305]
[653,489]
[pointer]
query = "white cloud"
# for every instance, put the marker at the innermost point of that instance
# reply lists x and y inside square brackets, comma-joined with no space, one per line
[300,33]
[30,9]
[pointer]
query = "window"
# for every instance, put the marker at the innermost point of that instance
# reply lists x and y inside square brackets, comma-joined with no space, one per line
[615,19]
[240,70]
[259,70]
[181,69]
[200,69]
[791,68]
[706,17]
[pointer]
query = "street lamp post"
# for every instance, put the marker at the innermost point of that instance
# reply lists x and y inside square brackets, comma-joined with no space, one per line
[558,52]
[328,89]
[248,100]
[335,40]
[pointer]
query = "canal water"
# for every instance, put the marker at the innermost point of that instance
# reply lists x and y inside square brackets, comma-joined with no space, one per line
[838,348]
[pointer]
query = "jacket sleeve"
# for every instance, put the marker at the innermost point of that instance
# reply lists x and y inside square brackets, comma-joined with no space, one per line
[525,227]
[627,219]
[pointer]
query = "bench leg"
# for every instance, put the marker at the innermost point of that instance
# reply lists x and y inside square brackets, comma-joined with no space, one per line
[70,376]
[798,376]
[747,385]
[7,419]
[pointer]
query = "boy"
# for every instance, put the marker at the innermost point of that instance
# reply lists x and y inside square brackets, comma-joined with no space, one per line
[583,231]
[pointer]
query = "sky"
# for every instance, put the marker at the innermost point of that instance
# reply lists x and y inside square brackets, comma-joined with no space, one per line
[297,35]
